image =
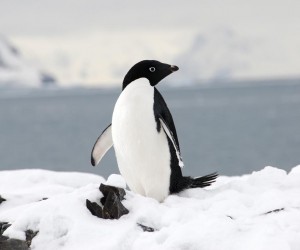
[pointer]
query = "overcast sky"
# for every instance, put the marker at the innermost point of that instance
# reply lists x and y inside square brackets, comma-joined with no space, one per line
[56,17]
[62,27]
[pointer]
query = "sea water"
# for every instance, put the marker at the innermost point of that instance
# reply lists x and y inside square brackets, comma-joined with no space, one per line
[233,129]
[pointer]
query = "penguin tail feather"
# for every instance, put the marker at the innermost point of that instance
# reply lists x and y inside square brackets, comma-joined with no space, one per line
[204,181]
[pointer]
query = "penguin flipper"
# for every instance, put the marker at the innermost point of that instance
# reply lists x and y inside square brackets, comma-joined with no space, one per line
[102,145]
[171,137]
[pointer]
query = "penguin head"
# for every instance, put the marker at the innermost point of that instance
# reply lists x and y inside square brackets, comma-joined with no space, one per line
[153,70]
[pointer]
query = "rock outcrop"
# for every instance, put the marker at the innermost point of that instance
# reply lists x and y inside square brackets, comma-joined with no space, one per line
[15,244]
[112,208]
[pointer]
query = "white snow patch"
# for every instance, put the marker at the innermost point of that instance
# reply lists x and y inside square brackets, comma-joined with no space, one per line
[231,214]
[116,180]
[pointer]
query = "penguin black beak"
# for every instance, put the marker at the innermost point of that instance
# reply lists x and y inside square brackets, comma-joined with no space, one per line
[174,68]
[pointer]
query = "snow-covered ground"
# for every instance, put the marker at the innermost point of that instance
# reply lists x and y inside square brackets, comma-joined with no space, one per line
[16,71]
[231,214]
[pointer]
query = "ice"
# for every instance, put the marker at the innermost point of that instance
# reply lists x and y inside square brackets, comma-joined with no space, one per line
[257,211]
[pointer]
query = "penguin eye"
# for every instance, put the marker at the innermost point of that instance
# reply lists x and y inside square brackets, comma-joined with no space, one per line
[152,69]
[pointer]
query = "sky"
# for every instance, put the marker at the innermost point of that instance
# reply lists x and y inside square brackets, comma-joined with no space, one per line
[95,42]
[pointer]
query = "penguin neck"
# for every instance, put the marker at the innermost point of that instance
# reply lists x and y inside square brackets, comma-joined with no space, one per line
[129,78]
[138,82]
[137,90]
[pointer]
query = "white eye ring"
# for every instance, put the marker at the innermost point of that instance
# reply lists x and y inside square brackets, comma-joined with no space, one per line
[152,69]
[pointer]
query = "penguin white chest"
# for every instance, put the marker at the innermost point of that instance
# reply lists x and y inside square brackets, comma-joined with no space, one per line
[142,153]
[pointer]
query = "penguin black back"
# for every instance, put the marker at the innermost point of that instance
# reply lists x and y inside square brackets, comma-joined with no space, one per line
[178,182]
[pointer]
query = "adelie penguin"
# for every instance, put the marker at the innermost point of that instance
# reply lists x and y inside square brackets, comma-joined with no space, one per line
[144,136]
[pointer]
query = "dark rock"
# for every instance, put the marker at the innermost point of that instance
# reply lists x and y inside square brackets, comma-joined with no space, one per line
[230,217]
[2,238]
[94,208]
[106,189]
[146,228]
[30,235]
[14,244]
[103,200]
[113,208]
[4,226]
[1,199]
[111,201]
[274,211]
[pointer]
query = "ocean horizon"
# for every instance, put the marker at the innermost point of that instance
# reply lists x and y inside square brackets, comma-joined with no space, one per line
[231,129]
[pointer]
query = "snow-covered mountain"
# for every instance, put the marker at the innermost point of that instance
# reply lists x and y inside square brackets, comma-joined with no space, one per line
[216,55]
[15,71]
[207,55]
[223,54]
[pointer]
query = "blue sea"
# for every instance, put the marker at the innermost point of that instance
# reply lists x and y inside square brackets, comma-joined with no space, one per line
[233,129]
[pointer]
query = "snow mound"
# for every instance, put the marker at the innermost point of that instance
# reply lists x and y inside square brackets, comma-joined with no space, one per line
[257,211]
[14,71]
